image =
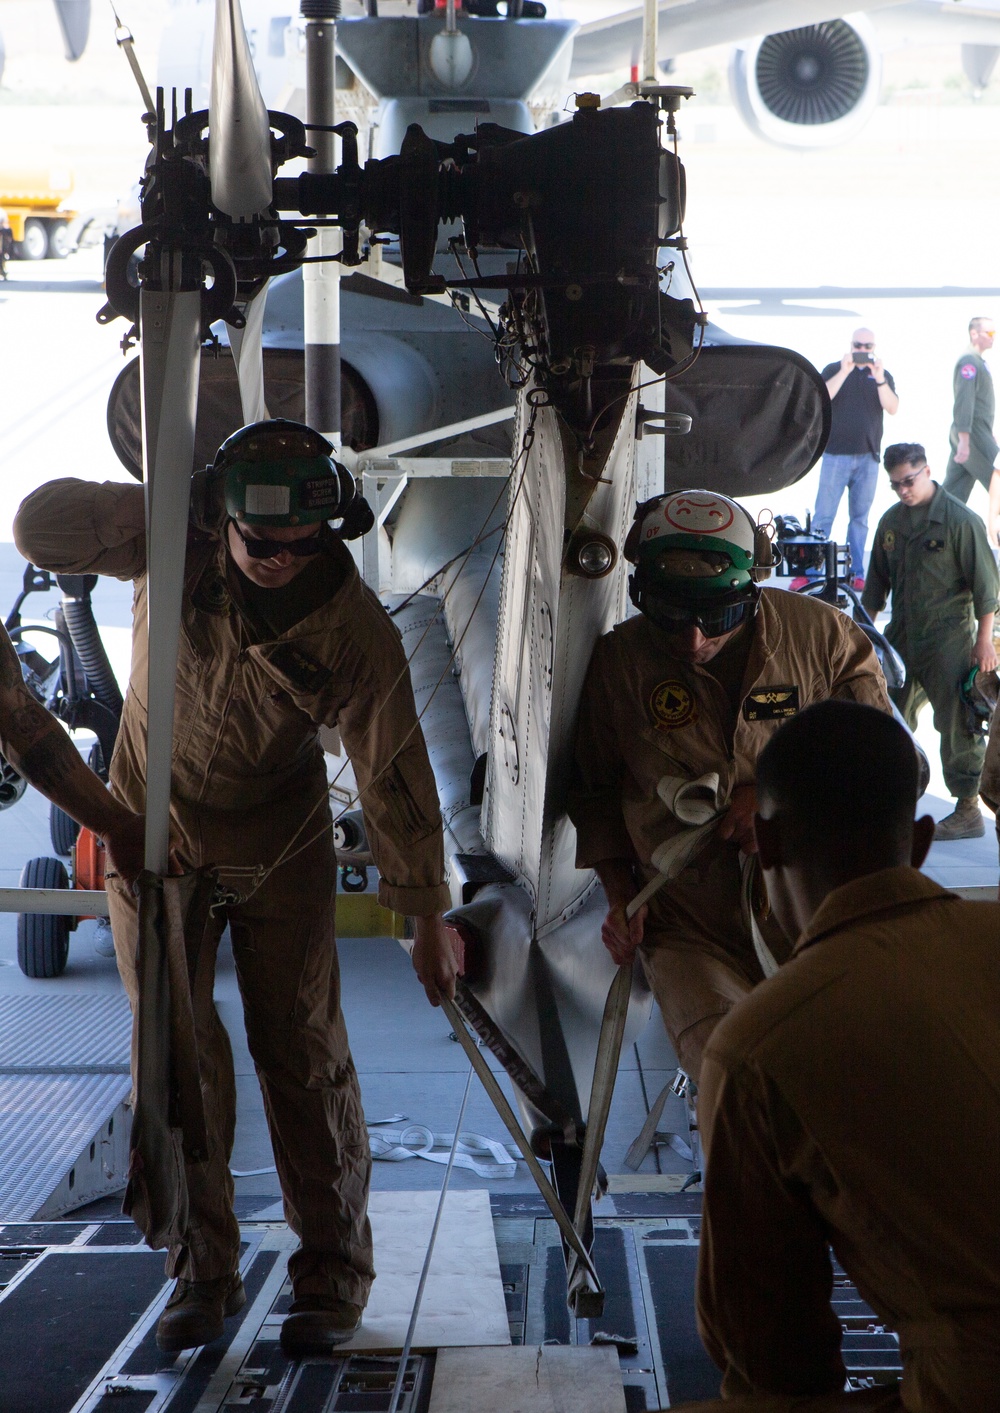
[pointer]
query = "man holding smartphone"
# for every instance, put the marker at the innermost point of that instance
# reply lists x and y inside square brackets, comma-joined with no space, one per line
[861,391]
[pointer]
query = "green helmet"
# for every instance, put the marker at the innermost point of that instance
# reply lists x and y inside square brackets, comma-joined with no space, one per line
[694,546]
[282,473]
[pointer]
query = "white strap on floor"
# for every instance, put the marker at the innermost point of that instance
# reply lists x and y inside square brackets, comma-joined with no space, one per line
[486,1157]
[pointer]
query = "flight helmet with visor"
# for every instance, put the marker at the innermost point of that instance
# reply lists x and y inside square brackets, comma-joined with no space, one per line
[697,558]
[282,473]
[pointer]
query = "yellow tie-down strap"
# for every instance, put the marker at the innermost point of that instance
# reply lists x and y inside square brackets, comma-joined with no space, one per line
[358,914]
[362,915]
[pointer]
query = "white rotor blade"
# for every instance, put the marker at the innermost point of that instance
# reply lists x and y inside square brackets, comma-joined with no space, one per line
[247,355]
[170,330]
[239,148]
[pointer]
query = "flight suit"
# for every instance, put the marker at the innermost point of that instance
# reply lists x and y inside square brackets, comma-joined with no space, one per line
[645,715]
[937,562]
[249,795]
[974,409]
[853,1101]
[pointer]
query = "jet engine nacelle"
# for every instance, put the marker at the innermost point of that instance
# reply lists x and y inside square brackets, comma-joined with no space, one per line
[809,87]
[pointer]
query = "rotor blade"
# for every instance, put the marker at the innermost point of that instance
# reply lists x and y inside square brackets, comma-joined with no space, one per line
[248,356]
[239,149]
[74,22]
[170,328]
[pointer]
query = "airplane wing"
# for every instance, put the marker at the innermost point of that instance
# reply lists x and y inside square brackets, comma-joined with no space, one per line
[614,41]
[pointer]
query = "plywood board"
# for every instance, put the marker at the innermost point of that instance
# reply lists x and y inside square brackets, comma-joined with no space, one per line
[463,1301]
[552,1378]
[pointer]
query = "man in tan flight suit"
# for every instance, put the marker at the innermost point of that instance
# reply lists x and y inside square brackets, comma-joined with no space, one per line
[853,1100]
[697,682]
[279,636]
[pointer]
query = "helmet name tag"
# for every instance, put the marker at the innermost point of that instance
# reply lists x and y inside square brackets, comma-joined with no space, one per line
[771,704]
[267,500]
[320,492]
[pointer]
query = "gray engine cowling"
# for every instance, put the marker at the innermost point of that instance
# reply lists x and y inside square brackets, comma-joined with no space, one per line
[809,87]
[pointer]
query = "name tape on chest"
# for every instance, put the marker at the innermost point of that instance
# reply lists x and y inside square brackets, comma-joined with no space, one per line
[771,703]
[297,667]
[672,705]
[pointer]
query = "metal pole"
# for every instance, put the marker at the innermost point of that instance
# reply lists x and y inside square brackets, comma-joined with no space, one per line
[650,37]
[321,281]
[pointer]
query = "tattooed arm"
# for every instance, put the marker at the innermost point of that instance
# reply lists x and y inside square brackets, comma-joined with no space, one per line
[38,747]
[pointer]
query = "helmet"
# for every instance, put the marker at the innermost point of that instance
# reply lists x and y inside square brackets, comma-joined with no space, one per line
[979,692]
[695,552]
[282,473]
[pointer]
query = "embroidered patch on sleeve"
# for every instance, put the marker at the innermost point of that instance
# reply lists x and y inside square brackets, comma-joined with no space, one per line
[968,370]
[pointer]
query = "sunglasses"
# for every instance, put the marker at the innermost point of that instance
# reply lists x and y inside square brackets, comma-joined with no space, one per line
[905,482]
[868,346]
[268,549]
[713,622]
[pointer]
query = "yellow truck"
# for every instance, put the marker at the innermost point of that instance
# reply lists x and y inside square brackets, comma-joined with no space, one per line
[33,198]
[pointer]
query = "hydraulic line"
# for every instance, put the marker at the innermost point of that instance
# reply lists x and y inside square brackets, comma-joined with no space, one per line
[82,626]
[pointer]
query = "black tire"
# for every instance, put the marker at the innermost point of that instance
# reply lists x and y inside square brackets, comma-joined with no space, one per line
[62,830]
[35,245]
[59,241]
[43,938]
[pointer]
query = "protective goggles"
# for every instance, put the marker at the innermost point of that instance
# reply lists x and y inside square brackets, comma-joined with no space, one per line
[676,617]
[259,548]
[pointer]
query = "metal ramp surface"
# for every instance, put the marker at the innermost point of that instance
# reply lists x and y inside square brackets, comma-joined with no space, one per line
[64,1090]
[78,1314]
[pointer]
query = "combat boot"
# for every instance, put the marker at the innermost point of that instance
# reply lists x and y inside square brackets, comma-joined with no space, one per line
[195,1312]
[315,1324]
[965,821]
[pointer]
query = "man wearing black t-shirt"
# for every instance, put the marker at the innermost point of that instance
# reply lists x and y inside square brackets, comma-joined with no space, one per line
[860,392]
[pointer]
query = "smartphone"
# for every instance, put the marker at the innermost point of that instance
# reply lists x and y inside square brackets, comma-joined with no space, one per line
[863,357]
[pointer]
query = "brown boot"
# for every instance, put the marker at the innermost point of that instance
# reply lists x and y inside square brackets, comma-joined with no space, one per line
[195,1311]
[965,822]
[315,1324]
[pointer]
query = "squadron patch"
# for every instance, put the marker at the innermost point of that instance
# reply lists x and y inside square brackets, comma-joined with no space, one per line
[672,705]
[771,703]
[889,539]
[968,370]
[211,594]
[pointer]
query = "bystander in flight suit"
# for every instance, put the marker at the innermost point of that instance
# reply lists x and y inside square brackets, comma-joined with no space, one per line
[973,445]
[650,709]
[259,671]
[931,553]
[853,1101]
